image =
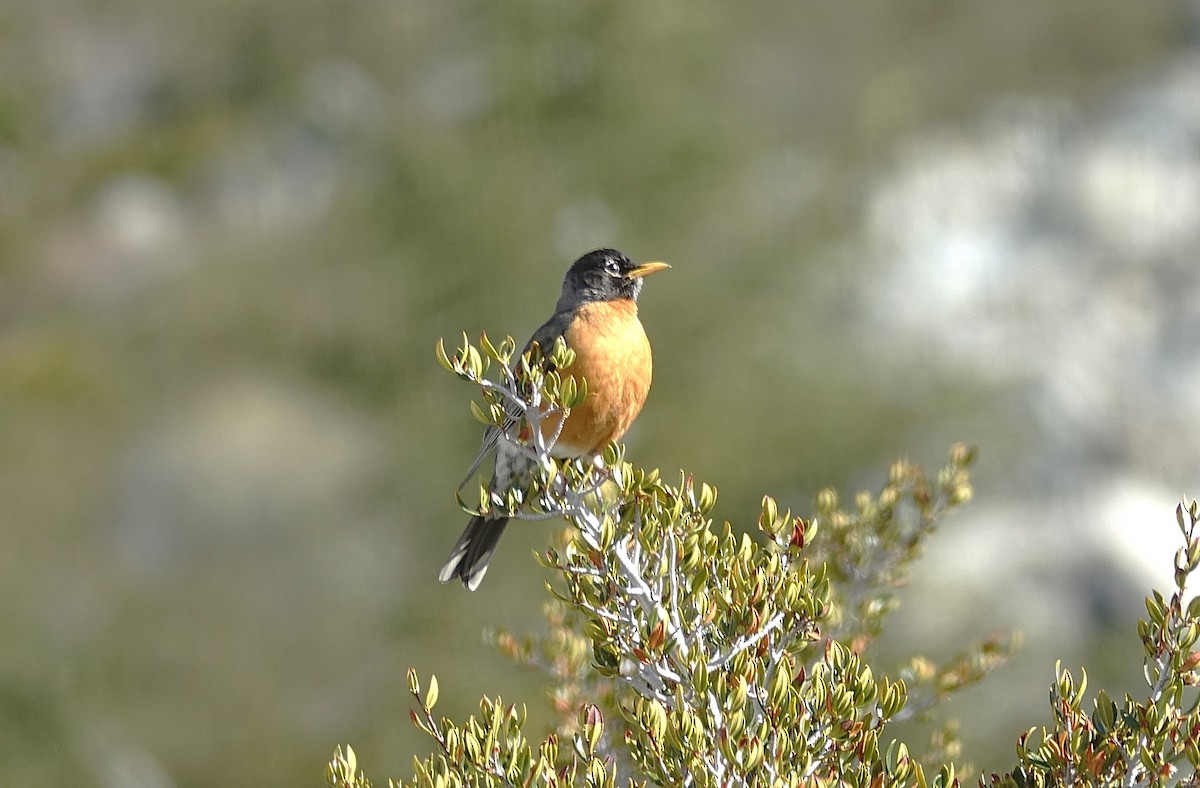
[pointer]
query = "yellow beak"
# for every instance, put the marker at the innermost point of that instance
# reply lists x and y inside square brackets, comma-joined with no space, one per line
[645,269]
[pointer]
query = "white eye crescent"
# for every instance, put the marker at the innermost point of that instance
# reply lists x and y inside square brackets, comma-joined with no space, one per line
[613,268]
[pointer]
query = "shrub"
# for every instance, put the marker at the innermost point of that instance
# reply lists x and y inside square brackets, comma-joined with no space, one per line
[682,653]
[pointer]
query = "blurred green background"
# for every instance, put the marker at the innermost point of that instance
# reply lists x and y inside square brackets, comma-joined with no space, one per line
[231,233]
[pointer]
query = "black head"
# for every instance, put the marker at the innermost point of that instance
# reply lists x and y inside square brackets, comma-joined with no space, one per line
[604,275]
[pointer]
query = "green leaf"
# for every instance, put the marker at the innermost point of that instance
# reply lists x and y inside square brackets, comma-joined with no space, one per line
[414,685]
[431,697]
[479,414]
[487,346]
[440,351]
[567,391]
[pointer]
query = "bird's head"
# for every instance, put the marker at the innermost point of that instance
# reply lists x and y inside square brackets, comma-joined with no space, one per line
[605,275]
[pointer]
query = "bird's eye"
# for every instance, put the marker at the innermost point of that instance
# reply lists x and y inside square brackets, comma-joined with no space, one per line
[612,268]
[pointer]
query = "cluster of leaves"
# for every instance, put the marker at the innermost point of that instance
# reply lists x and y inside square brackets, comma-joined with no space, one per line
[527,405]
[1147,742]
[867,553]
[683,653]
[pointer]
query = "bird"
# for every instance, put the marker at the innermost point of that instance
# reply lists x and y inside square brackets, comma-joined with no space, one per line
[597,317]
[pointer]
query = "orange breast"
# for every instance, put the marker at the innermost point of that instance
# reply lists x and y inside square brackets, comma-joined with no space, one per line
[613,355]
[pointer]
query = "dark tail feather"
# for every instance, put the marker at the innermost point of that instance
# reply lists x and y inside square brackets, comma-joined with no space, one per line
[469,558]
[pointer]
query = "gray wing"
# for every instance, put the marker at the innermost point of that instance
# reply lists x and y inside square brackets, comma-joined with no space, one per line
[544,337]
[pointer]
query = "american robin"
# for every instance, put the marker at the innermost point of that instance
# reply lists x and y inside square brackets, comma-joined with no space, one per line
[597,316]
